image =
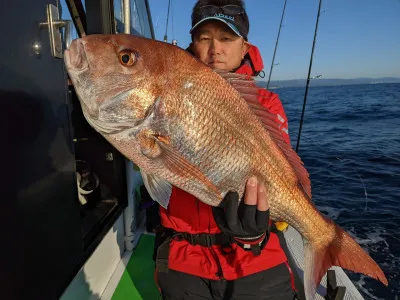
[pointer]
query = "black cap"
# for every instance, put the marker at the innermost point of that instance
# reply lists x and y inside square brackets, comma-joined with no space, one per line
[232,13]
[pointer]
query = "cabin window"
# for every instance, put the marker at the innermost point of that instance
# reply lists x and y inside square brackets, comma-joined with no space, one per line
[76,12]
[140,18]
[100,168]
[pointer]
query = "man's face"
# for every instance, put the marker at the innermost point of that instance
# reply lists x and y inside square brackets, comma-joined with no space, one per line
[216,45]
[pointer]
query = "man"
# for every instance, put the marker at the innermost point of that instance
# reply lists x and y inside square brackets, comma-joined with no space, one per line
[227,252]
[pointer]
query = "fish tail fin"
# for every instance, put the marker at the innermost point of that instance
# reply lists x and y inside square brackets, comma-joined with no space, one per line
[340,251]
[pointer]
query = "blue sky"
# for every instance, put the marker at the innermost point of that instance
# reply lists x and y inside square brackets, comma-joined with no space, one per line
[356,38]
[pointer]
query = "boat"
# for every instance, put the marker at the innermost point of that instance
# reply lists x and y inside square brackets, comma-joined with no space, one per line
[76,224]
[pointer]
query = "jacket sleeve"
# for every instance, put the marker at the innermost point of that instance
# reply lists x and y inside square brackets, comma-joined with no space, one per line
[274,105]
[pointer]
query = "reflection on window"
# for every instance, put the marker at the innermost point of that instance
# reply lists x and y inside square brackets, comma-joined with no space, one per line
[140,22]
[119,16]
[65,15]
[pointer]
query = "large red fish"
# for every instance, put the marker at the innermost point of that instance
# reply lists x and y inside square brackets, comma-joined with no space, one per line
[204,132]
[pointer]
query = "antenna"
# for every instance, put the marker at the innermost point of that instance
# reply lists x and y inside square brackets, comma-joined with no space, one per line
[172,21]
[166,26]
[276,45]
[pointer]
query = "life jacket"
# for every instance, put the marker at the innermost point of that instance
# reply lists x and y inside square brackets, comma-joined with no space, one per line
[185,213]
[252,63]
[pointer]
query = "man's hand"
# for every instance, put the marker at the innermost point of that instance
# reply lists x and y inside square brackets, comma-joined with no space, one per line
[247,222]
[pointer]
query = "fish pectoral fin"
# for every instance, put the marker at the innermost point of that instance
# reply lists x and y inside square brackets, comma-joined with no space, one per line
[182,167]
[158,147]
[148,142]
[158,188]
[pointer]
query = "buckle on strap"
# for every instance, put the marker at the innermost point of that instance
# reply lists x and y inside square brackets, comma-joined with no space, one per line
[179,236]
[203,239]
[207,240]
[189,238]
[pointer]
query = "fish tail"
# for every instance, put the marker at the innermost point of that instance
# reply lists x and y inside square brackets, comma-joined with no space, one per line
[342,251]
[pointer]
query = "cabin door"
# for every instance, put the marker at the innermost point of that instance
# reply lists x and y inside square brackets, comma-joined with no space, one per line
[41,244]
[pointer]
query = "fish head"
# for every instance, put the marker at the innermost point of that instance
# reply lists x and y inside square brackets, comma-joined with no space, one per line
[113,76]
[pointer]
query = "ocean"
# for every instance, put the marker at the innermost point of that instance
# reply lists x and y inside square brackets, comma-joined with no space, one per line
[350,144]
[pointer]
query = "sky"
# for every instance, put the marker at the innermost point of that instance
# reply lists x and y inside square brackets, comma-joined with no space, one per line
[356,38]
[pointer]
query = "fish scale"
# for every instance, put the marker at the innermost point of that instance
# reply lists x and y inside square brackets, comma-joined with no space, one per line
[209,160]
[224,170]
[214,154]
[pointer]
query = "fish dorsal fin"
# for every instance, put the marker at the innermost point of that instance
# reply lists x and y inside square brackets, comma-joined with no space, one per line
[250,92]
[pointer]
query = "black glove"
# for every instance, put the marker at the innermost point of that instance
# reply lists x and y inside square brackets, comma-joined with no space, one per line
[247,225]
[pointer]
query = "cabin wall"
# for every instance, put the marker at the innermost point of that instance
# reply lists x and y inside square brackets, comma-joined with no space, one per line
[92,279]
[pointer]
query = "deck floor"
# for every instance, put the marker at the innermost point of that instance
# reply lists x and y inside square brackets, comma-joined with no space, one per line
[137,281]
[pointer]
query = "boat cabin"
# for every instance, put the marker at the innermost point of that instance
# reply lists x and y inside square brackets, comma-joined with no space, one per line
[65,226]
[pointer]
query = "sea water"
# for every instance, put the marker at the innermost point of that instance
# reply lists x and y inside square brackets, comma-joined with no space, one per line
[350,144]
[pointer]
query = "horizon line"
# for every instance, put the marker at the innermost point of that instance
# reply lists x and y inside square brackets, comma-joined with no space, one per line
[355,78]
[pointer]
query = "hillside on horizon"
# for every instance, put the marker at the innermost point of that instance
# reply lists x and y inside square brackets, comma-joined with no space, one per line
[327,82]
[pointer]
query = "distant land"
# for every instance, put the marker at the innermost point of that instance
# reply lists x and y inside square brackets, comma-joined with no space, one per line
[327,82]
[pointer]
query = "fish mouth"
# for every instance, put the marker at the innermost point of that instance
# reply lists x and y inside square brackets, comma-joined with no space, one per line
[75,57]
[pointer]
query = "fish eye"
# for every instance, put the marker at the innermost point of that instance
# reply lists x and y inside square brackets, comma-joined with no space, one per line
[127,58]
